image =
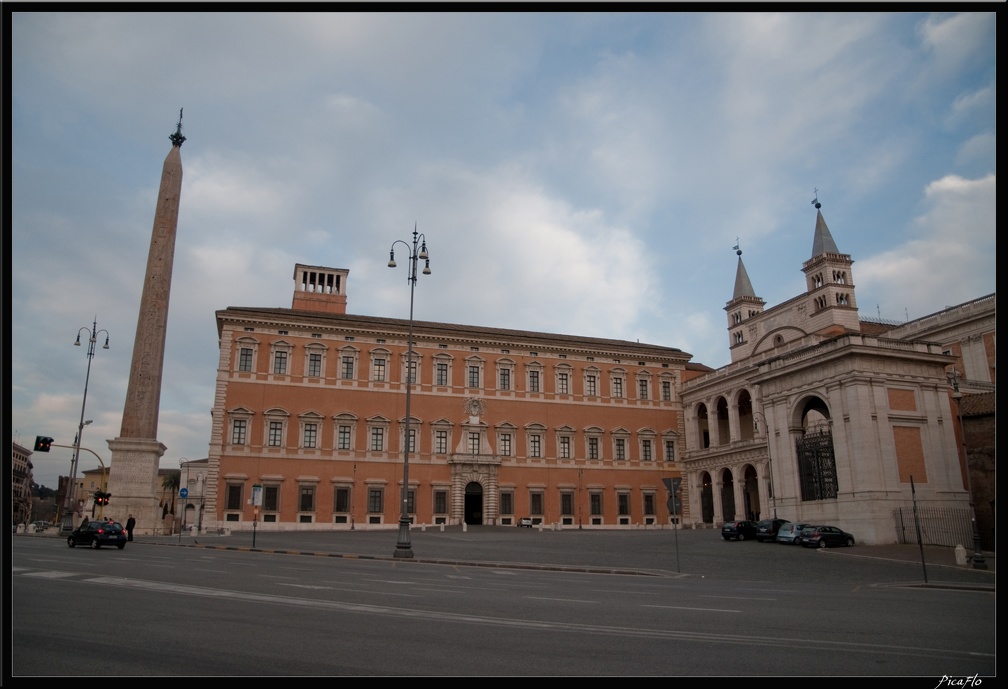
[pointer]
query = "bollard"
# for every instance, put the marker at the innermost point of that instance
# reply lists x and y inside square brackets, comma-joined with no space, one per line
[960,555]
[442,527]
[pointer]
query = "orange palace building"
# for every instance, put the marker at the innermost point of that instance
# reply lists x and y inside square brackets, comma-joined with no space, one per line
[309,421]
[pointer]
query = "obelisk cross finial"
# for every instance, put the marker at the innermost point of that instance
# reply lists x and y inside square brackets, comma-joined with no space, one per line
[177,137]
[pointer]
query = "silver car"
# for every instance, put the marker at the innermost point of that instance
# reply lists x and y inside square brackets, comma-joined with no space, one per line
[790,533]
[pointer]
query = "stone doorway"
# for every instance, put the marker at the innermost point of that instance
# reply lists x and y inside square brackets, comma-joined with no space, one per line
[473,510]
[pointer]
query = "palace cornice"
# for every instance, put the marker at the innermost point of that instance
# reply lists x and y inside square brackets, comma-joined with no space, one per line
[428,332]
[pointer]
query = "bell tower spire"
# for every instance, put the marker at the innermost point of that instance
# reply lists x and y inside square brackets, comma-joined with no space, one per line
[743,306]
[829,280]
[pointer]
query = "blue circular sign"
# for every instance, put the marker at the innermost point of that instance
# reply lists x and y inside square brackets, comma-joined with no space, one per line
[184,492]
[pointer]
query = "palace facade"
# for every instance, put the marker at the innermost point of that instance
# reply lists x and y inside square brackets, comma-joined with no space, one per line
[310,421]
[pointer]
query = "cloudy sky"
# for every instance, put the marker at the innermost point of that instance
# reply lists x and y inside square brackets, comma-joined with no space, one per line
[577,173]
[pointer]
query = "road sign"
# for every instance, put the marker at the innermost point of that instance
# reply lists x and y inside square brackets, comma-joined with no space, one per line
[257,494]
[184,493]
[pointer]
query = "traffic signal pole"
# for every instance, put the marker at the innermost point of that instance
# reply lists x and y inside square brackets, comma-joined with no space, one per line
[104,479]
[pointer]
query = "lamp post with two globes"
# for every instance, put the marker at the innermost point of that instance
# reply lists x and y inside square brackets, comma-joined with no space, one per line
[92,340]
[404,548]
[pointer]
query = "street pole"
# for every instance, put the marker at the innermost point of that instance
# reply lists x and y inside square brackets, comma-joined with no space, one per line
[404,548]
[68,517]
[773,493]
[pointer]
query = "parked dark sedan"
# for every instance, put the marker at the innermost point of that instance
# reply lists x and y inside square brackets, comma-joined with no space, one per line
[98,533]
[739,530]
[823,536]
[767,529]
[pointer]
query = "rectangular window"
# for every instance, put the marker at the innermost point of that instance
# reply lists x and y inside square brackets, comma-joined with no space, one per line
[379,370]
[441,442]
[377,439]
[617,387]
[245,359]
[314,365]
[412,440]
[348,368]
[411,374]
[642,389]
[344,438]
[307,501]
[645,450]
[567,504]
[505,379]
[280,362]
[474,443]
[595,503]
[536,504]
[440,502]
[238,428]
[590,386]
[474,376]
[623,504]
[234,496]
[411,501]
[442,373]
[535,446]
[310,434]
[649,504]
[533,381]
[666,390]
[374,500]
[669,450]
[507,503]
[565,445]
[505,444]
[620,449]
[275,433]
[341,501]
[271,498]
[592,448]
[563,386]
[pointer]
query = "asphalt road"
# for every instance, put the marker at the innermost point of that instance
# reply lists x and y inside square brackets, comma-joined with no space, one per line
[496,601]
[656,552]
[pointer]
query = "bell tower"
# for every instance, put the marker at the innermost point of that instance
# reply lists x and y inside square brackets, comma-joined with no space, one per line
[829,282]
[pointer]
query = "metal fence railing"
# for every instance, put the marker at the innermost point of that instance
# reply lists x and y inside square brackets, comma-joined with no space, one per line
[943,526]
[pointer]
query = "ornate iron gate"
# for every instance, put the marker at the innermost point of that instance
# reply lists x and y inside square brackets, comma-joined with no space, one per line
[817,464]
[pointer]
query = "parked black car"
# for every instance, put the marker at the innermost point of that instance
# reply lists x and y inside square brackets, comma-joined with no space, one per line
[767,529]
[98,533]
[739,530]
[823,536]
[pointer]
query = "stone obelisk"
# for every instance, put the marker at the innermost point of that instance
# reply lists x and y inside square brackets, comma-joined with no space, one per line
[136,453]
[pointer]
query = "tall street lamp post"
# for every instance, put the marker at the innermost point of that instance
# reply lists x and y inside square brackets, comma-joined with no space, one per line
[92,340]
[978,558]
[773,493]
[404,548]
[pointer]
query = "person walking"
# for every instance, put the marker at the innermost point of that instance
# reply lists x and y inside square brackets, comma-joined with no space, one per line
[130,524]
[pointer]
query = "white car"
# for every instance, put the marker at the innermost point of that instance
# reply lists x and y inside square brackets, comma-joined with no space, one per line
[525,521]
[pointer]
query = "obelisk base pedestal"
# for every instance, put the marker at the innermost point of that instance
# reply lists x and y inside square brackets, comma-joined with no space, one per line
[135,486]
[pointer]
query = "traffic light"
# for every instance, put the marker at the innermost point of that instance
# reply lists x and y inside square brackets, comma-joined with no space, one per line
[101,497]
[42,443]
